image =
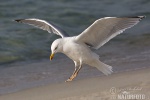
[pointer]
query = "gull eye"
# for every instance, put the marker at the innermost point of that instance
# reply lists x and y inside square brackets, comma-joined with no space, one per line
[55,48]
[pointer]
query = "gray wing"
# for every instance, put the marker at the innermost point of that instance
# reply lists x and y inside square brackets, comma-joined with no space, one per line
[104,29]
[42,24]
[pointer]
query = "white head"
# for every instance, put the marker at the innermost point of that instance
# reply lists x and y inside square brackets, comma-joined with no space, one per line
[56,47]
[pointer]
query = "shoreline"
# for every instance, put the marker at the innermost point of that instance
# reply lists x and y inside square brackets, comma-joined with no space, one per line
[94,88]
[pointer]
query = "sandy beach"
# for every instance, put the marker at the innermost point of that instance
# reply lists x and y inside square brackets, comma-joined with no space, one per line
[99,88]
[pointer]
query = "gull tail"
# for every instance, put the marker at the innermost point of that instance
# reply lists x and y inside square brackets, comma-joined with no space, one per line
[106,69]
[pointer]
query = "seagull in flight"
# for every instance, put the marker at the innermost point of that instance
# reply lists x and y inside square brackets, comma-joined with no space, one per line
[78,48]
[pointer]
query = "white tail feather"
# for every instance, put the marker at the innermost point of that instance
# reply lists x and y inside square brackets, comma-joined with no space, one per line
[106,69]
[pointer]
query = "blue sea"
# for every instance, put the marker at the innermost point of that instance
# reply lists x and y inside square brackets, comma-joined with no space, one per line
[25,50]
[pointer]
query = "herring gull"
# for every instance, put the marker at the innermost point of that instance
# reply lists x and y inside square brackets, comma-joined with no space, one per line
[78,48]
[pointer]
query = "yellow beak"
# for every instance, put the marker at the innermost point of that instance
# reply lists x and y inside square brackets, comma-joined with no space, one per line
[51,56]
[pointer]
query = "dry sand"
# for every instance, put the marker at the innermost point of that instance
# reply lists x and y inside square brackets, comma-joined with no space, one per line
[100,88]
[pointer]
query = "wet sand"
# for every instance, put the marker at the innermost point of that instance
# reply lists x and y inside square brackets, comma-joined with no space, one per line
[98,88]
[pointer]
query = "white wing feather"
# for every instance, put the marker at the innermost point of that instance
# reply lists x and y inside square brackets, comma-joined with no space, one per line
[104,29]
[42,24]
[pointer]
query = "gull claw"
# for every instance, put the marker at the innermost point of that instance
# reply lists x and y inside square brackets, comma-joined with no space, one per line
[69,80]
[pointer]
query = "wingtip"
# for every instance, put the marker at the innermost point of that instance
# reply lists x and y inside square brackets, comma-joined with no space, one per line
[140,17]
[18,20]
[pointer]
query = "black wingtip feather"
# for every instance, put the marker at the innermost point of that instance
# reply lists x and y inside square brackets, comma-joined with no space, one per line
[140,17]
[18,20]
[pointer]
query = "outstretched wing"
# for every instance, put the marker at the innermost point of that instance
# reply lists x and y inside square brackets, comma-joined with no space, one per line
[42,24]
[104,29]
